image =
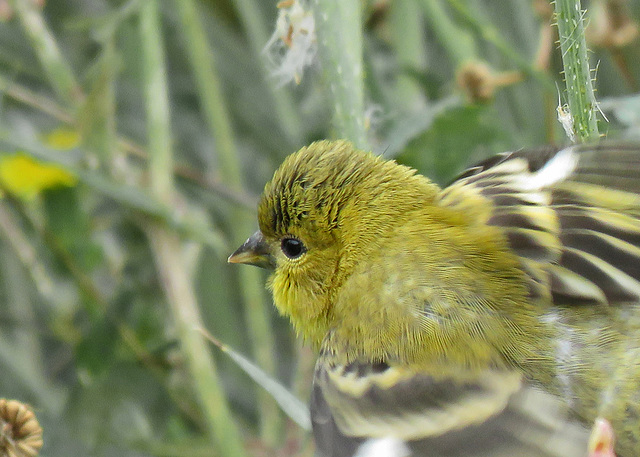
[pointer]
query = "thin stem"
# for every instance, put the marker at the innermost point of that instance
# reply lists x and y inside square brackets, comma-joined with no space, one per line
[157,102]
[457,41]
[203,64]
[202,60]
[577,75]
[167,247]
[27,254]
[57,69]
[406,31]
[178,288]
[14,238]
[38,101]
[97,117]
[339,28]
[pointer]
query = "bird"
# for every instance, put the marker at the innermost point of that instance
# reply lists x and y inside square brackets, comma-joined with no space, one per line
[433,309]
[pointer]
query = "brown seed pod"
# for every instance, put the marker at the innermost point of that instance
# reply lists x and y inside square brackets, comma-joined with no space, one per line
[478,82]
[20,432]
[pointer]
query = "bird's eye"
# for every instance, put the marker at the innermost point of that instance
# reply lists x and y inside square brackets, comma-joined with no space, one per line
[292,247]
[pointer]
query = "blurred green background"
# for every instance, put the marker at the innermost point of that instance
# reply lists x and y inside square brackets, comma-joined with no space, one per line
[135,138]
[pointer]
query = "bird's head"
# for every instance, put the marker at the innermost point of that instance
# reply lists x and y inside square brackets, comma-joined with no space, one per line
[327,207]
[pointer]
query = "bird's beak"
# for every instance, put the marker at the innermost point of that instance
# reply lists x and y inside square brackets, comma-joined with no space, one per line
[254,251]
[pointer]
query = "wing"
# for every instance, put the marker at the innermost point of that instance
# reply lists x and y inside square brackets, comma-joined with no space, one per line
[572,216]
[357,407]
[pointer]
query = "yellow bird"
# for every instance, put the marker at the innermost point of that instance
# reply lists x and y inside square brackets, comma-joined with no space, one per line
[429,306]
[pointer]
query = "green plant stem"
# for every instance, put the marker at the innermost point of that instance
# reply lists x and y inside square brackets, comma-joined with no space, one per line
[577,75]
[97,117]
[157,103]
[263,346]
[167,247]
[339,30]
[38,101]
[10,230]
[178,287]
[12,236]
[406,26]
[202,61]
[459,43]
[58,71]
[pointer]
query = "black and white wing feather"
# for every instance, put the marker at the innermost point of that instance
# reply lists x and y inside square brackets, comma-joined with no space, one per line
[377,410]
[572,215]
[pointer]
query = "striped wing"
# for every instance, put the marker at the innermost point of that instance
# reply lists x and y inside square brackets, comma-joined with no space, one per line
[572,216]
[373,410]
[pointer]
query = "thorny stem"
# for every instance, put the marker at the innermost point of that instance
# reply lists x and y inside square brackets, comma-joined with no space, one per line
[577,75]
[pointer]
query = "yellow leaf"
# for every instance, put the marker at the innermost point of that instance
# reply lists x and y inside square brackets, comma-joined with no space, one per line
[26,177]
[62,139]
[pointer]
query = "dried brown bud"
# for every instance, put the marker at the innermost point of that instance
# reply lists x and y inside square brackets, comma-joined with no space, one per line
[476,80]
[20,432]
[479,83]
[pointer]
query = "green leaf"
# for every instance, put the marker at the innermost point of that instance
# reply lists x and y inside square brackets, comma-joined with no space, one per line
[456,136]
[289,403]
[69,224]
[95,352]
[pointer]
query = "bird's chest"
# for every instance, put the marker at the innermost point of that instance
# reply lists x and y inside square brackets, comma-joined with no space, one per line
[394,315]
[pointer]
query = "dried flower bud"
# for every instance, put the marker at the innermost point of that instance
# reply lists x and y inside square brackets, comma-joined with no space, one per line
[476,80]
[479,83]
[292,46]
[20,432]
